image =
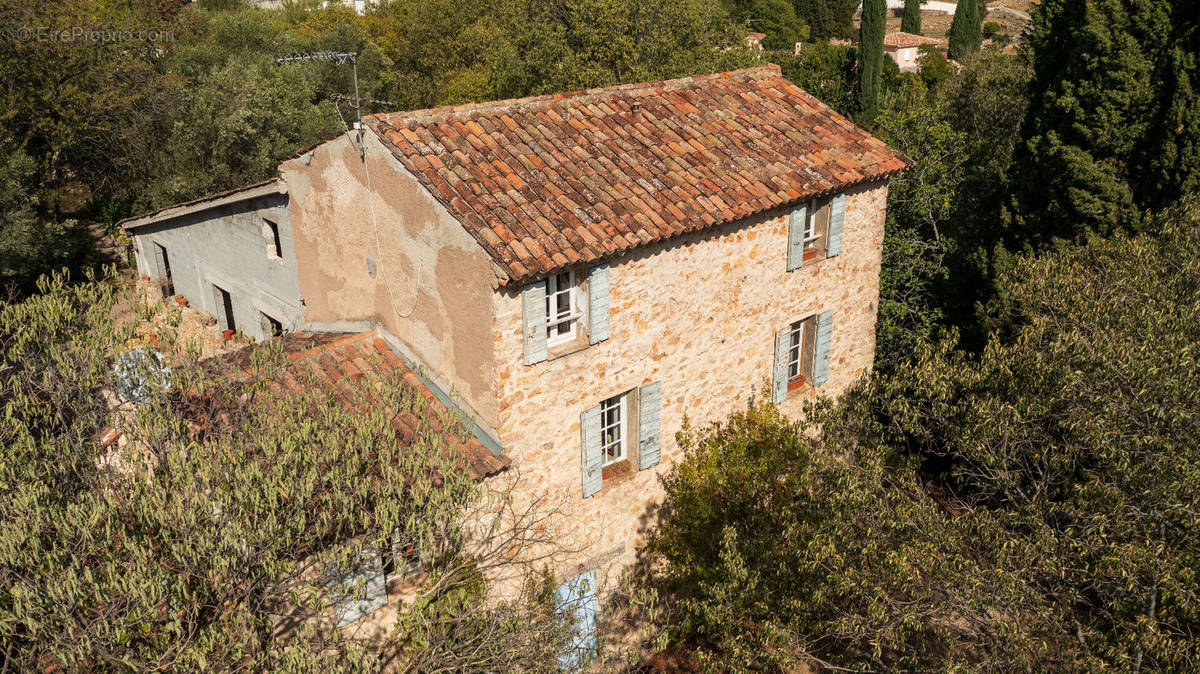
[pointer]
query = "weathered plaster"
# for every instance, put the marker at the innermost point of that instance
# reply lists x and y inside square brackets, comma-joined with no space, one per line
[227,246]
[432,283]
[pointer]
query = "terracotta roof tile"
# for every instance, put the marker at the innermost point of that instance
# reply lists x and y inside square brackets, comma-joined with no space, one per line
[337,361]
[900,40]
[550,181]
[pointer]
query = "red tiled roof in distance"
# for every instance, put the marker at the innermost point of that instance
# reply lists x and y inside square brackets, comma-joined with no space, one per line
[900,40]
[550,181]
[333,361]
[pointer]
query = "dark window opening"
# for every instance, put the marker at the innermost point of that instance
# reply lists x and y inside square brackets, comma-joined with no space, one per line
[275,238]
[164,270]
[224,308]
[272,326]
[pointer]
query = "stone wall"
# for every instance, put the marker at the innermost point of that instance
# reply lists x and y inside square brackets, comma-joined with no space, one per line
[698,314]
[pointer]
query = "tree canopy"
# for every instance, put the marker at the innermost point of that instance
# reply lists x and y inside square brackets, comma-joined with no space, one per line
[1035,506]
[1113,126]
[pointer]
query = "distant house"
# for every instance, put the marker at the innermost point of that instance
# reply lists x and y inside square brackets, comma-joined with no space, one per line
[904,49]
[576,272]
[754,41]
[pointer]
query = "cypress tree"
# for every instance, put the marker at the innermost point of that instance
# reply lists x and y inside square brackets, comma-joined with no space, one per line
[1113,125]
[870,58]
[911,23]
[966,33]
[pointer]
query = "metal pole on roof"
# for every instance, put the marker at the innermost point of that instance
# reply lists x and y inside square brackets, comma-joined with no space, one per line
[335,57]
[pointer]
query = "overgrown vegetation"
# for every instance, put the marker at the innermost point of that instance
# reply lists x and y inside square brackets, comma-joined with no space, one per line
[1034,507]
[101,130]
[1015,488]
[216,533]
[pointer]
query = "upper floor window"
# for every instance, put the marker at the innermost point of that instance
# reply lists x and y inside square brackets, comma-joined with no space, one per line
[564,313]
[613,432]
[274,246]
[816,227]
[814,230]
[562,308]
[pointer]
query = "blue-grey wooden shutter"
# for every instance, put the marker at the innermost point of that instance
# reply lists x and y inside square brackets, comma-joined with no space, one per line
[795,250]
[593,461]
[649,425]
[837,222]
[577,598]
[533,321]
[821,357]
[598,304]
[359,591]
[779,381]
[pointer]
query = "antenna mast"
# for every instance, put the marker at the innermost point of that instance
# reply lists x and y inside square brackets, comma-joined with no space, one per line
[341,57]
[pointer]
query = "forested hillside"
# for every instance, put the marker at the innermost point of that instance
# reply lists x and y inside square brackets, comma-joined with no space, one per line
[1016,485]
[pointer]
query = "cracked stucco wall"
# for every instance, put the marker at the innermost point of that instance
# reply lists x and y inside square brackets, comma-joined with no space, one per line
[390,255]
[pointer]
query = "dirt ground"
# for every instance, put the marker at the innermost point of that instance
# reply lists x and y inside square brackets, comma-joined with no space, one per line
[176,327]
[937,24]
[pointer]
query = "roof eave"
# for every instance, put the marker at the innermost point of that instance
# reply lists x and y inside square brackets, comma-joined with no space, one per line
[872,178]
[267,187]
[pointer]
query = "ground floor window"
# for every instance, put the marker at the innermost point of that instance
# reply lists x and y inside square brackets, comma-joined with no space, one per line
[800,351]
[224,308]
[271,326]
[614,434]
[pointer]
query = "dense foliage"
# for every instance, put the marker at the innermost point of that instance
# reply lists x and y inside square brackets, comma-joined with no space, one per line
[98,130]
[910,22]
[213,535]
[870,59]
[1113,126]
[828,18]
[1015,489]
[1034,507]
[966,33]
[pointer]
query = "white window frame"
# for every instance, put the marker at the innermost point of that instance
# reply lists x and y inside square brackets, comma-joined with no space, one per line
[614,435]
[800,355]
[811,237]
[555,319]
[795,357]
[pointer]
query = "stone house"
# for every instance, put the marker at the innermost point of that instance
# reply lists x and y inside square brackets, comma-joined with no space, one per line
[904,49]
[576,272]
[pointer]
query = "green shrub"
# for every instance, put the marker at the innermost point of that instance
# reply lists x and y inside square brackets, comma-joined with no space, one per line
[782,550]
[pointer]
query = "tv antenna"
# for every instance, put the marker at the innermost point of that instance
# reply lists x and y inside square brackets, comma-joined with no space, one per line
[340,57]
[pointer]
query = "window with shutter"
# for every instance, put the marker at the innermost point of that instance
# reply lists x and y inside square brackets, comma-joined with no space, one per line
[598,310]
[824,340]
[533,321]
[815,230]
[562,308]
[649,425]
[797,221]
[571,315]
[779,370]
[837,223]
[593,454]
[795,355]
[359,591]
[576,599]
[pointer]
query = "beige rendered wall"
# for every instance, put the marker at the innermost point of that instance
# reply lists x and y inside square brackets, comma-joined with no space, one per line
[905,58]
[412,269]
[698,314]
